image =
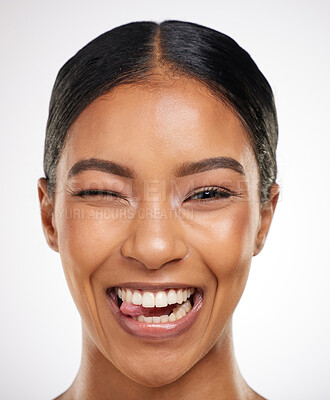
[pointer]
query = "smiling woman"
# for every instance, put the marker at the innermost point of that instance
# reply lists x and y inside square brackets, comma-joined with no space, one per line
[160,187]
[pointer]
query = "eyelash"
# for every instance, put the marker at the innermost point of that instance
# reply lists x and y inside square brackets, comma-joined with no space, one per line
[96,192]
[214,192]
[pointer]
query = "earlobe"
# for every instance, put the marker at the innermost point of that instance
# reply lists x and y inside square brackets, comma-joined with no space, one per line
[266,217]
[47,215]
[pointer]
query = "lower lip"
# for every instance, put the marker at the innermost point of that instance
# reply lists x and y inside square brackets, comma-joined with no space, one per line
[156,331]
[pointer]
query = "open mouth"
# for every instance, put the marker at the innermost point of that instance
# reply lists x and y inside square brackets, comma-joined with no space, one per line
[155,314]
[159,307]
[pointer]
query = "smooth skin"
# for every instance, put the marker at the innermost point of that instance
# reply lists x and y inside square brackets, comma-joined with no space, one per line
[156,230]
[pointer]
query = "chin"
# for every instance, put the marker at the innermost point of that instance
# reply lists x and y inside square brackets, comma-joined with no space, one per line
[155,373]
[155,378]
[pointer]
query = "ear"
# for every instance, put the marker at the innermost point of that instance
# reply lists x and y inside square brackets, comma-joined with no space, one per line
[47,215]
[266,216]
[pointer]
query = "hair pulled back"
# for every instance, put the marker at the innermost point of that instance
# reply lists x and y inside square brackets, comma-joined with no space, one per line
[132,53]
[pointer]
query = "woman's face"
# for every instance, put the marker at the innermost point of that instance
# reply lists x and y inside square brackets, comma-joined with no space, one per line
[157,189]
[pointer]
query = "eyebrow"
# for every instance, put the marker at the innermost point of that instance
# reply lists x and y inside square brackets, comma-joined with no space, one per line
[208,164]
[184,169]
[109,167]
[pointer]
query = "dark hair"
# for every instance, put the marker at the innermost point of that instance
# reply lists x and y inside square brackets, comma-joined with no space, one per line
[132,53]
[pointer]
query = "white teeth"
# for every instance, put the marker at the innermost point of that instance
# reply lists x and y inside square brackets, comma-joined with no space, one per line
[137,298]
[179,296]
[161,299]
[186,306]
[148,299]
[172,318]
[163,319]
[171,297]
[128,296]
[178,313]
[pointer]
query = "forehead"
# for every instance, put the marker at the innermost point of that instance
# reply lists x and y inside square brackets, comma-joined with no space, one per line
[153,128]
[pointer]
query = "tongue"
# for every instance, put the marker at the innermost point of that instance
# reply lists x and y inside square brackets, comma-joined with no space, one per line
[134,311]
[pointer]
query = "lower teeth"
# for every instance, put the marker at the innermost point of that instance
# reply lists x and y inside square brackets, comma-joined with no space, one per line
[179,312]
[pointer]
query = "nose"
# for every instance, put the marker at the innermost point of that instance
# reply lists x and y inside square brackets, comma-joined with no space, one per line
[155,240]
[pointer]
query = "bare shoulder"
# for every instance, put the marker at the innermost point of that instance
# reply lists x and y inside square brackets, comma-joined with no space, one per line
[258,397]
[61,397]
[255,396]
[65,396]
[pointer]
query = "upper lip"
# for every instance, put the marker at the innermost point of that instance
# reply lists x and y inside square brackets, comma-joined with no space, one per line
[153,286]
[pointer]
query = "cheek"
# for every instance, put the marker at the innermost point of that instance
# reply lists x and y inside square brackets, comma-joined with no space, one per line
[227,245]
[87,238]
[226,242]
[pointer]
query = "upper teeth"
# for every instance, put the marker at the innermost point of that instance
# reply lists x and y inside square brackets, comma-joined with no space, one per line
[158,299]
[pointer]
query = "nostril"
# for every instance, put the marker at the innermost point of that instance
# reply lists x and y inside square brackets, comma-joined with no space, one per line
[154,253]
[154,242]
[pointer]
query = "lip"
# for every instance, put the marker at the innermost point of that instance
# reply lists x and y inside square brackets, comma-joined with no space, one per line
[153,287]
[155,331]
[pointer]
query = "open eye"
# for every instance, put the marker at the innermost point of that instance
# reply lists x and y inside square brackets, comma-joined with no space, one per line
[210,193]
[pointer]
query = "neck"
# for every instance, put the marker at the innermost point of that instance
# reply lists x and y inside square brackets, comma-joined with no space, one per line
[215,376]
